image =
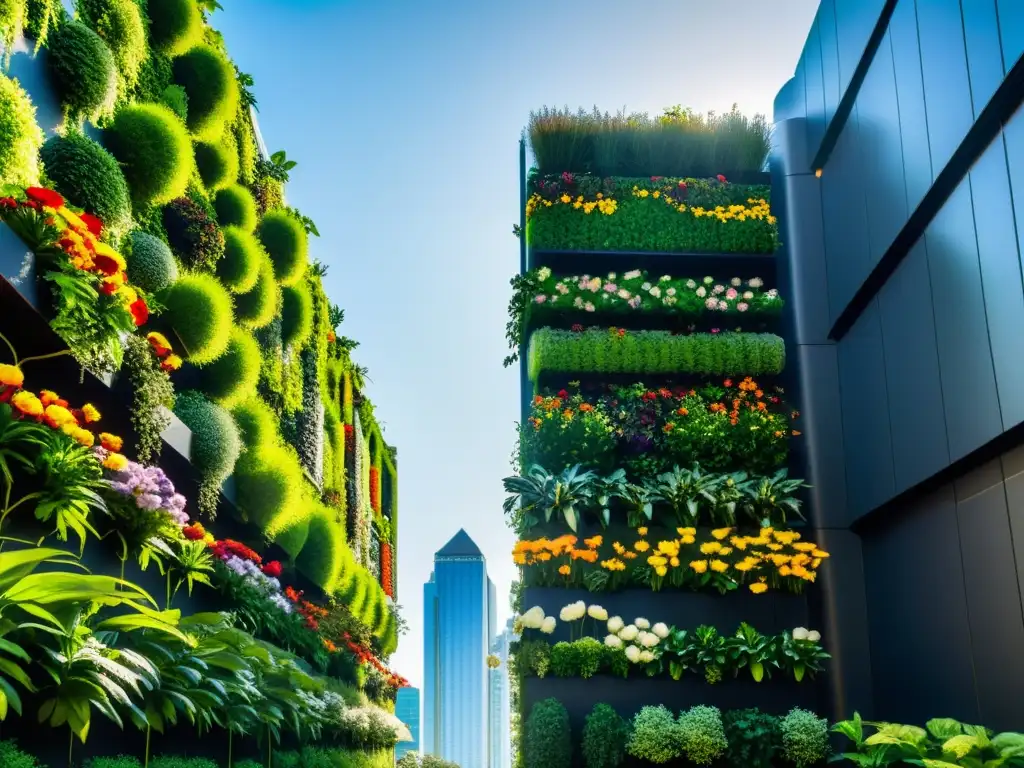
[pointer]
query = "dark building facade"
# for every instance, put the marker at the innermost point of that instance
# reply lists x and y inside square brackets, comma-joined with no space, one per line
[898,179]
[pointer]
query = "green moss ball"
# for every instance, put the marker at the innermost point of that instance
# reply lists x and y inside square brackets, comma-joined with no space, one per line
[215,443]
[174,25]
[269,482]
[209,80]
[153,147]
[232,377]
[20,136]
[151,265]
[90,178]
[320,558]
[239,268]
[287,243]
[256,308]
[198,308]
[81,69]
[236,208]
[296,315]
[257,423]
[217,163]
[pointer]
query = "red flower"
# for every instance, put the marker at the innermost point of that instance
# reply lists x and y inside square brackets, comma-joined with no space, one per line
[45,197]
[656,178]
[563,393]
[331,337]
[192,532]
[139,311]
[272,569]
[108,289]
[93,223]
[107,265]
[682,185]
[349,430]
[8,202]
[577,328]
[721,178]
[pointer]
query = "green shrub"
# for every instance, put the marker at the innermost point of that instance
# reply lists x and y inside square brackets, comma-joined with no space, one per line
[257,423]
[12,757]
[217,162]
[82,70]
[215,444]
[269,481]
[20,136]
[193,234]
[258,307]
[286,241]
[702,734]
[173,761]
[12,19]
[320,559]
[655,737]
[174,25]
[90,178]
[599,350]
[546,739]
[268,194]
[287,760]
[209,80]
[243,256]
[753,737]
[233,376]
[604,738]
[293,536]
[151,265]
[253,763]
[804,737]
[198,308]
[247,149]
[119,23]
[296,315]
[154,150]
[236,208]
[175,98]
[121,761]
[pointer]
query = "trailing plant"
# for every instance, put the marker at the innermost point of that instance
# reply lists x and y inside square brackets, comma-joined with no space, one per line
[119,24]
[152,393]
[615,350]
[215,445]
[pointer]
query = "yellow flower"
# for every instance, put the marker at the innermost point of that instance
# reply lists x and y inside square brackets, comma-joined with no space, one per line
[687,540]
[820,554]
[90,413]
[686,531]
[11,376]
[743,565]
[668,548]
[565,199]
[774,547]
[79,435]
[786,537]
[725,551]
[767,532]
[564,570]
[27,403]
[656,560]
[710,547]
[641,546]
[674,562]
[785,570]
[115,461]
[642,531]
[700,566]
[758,587]
[57,416]
[721,533]
[805,546]
[618,547]
[719,566]
[661,570]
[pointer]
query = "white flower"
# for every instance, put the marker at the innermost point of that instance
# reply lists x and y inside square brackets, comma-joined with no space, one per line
[597,612]
[611,276]
[642,623]
[748,295]
[648,639]
[708,280]
[691,284]
[755,282]
[655,292]
[646,657]
[719,289]
[548,625]
[736,282]
[671,292]
[543,273]
[660,630]
[633,274]
[772,294]
[578,302]
[633,654]
[612,641]
[645,287]
[573,611]
[533,618]
[800,633]
[702,292]
[629,633]
[615,624]
[624,294]
[664,278]
[814,635]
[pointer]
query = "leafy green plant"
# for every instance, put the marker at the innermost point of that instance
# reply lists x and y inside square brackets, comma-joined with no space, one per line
[152,146]
[236,208]
[804,737]
[198,308]
[753,737]
[12,757]
[546,739]
[563,431]
[750,649]
[90,178]
[175,25]
[209,80]
[119,23]
[153,397]
[233,376]
[193,234]
[239,269]
[173,761]
[20,441]
[215,445]
[296,315]
[256,308]
[151,265]
[20,136]
[653,352]
[656,736]
[278,166]
[287,243]
[605,736]
[121,761]
[217,162]
[82,70]
[802,652]
[702,734]
[541,495]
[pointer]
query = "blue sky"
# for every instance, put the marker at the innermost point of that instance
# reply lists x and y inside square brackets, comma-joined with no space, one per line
[404,118]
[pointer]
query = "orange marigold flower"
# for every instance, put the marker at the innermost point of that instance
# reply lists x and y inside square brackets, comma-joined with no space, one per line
[11,376]
[115,461]
[171,363]
[586,407]
[564,570]
[594,542]
[27,403]
[49,398]
[90,414]
[57,416]
[111,442]
[79,435]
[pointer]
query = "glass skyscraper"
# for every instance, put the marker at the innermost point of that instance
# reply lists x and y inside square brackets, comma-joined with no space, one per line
[407,709]
[459,622]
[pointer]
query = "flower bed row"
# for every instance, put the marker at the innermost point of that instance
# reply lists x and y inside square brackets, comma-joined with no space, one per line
[733,427]
[721,559]
[645,353]
[582,213]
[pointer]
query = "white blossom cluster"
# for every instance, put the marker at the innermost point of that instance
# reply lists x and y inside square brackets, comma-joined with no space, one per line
[801,633]
[638,640]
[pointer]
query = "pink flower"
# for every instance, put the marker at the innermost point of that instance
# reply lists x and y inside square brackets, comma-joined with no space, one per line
[634,302]
[718,289]
[588,307]
[731,294]
[715,330]
[610,287]
[541,299]
[711,303]
[742,306]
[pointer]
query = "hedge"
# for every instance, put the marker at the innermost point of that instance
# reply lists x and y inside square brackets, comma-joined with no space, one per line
[269,481]
[20,136]
[654,352]
[215,444]
[321,559]
[154,150]
[296,315]
[217,163]
[119,23]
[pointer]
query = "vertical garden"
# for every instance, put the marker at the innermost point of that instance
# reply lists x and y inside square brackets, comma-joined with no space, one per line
[198,507]
[666,604]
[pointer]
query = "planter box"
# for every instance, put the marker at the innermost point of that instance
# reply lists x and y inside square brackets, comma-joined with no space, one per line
[718,265]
